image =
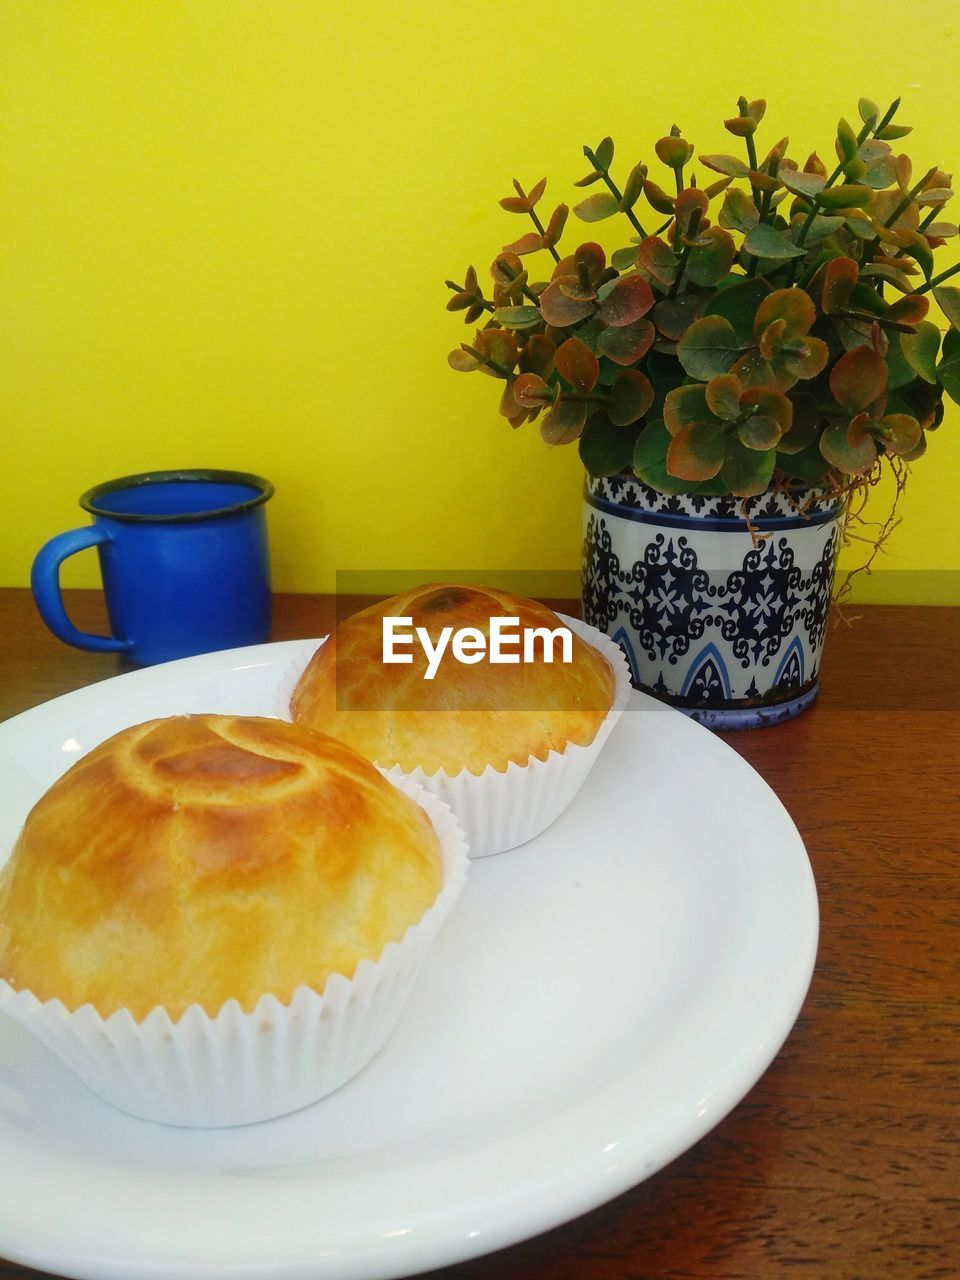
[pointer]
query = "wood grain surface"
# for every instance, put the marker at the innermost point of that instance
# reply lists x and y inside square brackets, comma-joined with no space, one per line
[843,1163]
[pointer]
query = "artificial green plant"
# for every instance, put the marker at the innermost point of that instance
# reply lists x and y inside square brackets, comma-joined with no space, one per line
[784,340]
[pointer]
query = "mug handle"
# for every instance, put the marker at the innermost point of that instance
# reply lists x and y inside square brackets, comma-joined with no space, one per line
[45,584]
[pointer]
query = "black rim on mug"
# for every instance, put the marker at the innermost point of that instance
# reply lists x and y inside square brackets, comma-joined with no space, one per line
[89,501]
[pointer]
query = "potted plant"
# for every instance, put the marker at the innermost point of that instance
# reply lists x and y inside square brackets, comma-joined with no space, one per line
[752,360]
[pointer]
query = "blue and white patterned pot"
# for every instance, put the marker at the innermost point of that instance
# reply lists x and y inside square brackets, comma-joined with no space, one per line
[729,632]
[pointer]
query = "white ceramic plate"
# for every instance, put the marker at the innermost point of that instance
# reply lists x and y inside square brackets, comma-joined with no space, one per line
[598,1001]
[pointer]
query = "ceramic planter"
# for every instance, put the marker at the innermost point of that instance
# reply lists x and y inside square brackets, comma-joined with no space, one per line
[729,632]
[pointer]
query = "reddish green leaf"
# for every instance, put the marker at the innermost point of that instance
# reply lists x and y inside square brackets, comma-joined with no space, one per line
[650,459]
[909,310]
[806,359]
[759,432]
[741,126]
[629,299]
[633,187]
[858,378]
[517,317]
[772,338]
[708,347]
[709,263]
[515,204]
[686,405]
[594,176]
[673,151]
[723,396]
[624,259]
[893,275]
[802,184]
[462,361]
[747,472]
[949,372]
[848,447]
[730,165]
[689,202]
[657,260]
[564,422]
[605,448]
[530,243]
[921,349]
[846,141]
[657,198]
[771,402]
[591,257]
[901,433]
[604,153]
[673,316]
[460,301]
[535,192]
[505,267]
[714,188]
[630,397]
[537,355]
[917,247]
[555,226]
[793,306]
[475,312]
[574,287]
[627,344]
[869,111]
[739,304]
[849,196]
[577,364]
[499,346]
[935,196]
[948,300]
[597,207]
[696,452]
[764,241]
[530,391]
[561,311]
[804,425]
[839,277]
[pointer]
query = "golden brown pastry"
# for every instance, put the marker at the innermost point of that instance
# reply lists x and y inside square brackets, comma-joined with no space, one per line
[467,716]
[206,857]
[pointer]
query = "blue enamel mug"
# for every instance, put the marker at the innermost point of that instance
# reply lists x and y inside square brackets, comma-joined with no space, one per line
[184,561]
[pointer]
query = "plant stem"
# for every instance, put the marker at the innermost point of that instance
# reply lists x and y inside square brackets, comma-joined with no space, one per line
[944,275]
[692,228]
[744,108]
[614,190]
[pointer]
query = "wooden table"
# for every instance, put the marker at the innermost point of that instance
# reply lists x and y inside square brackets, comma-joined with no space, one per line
[843,1163]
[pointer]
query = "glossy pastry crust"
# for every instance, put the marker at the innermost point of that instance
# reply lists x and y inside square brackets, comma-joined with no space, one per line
[202,858]
[468,716]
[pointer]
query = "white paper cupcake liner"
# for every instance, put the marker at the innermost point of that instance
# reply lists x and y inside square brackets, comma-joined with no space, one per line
[238,1068]
[500,810]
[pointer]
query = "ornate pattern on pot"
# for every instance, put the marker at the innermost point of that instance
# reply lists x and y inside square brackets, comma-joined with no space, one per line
[730,632]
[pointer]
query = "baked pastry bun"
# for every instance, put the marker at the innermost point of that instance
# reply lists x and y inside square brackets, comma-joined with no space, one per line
[202,858]
[466,716]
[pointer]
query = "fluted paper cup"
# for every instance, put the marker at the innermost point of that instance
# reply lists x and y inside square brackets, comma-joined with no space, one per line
[501,809]
[236,1068]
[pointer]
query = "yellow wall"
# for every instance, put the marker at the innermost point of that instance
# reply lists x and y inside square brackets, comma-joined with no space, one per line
[225,224]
